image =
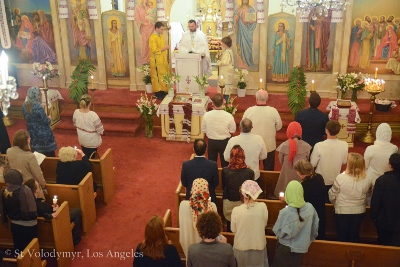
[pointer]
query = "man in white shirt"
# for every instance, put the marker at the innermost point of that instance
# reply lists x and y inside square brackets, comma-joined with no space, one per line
[195,41]
[218,125]
[329,155]
[266,122]
[252,144]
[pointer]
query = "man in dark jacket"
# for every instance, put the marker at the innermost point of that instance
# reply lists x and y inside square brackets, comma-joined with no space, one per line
[385,204]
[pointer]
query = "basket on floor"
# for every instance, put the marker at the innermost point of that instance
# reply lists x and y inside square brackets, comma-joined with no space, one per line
[383,107]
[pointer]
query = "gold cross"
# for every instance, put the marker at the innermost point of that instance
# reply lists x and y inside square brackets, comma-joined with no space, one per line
[343,126]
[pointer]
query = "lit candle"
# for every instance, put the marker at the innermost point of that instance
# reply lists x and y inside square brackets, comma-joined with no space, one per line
[4,68]
[312,85]
[55,200]
[92,81]
[222,80]
[376,73]
[261,84]
[44,81]
[281,194]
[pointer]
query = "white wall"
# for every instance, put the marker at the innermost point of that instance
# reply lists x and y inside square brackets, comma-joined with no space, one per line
[182,11]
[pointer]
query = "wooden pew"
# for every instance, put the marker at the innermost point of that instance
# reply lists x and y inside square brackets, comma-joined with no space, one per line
[30,257]
[320,253]
[368,232]
[102,169]
[55,234]
[78,196]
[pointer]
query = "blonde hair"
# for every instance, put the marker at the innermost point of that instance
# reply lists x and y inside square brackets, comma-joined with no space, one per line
[356,166]
[304,167]
[85,101]
[67,154]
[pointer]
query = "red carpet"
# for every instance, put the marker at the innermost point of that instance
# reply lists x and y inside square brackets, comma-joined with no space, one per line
[147,172]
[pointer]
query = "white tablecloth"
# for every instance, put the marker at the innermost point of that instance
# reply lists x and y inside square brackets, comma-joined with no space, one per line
[198,108]
[343,112]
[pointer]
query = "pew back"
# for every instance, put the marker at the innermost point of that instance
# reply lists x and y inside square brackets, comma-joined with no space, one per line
[30,257]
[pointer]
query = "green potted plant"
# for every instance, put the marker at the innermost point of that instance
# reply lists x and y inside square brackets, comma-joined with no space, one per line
[80,80]
[170,80]
[203,83]
[240,74]
[146,77]
[296,90]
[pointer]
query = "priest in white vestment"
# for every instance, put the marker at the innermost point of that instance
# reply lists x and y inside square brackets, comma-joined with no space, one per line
[195,41]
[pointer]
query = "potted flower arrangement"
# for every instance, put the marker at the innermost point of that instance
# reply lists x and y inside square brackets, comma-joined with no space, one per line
[229,106]
[351,81]
[147,108]
[240,74]
[170,80]
[146,77]
[45,71]
[203,83]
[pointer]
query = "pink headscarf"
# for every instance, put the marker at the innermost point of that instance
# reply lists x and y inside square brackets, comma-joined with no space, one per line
[293,130]
[198,200]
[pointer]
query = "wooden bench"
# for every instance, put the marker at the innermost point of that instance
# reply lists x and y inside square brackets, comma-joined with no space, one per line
[320,253]
[55,234]
[102,169]
[30,257]
[368,232]
[79,196]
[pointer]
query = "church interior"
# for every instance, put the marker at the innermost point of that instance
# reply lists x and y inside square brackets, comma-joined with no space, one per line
[101,47]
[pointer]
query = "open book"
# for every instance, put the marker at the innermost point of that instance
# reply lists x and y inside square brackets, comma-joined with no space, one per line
[39,157]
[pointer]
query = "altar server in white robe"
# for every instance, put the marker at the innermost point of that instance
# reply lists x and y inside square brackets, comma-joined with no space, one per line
[195,41]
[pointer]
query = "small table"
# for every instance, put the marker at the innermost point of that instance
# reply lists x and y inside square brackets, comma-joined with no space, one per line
[343,120]
[199,107]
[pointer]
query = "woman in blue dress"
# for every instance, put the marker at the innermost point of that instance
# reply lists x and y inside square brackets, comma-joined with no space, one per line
[38,124]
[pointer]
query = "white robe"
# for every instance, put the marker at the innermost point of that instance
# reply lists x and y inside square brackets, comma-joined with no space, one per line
[200,46]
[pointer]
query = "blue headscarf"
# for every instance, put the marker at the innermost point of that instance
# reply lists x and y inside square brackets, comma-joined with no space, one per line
[34,94]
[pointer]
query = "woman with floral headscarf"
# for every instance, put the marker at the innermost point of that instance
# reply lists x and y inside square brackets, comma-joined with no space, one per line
[38,124]
[296,227]
[189,210]
[290,152]
[233,177]
[248,223]
[18,204]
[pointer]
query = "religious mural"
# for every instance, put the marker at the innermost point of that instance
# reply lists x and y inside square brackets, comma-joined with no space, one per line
[374,40]
[281,28]
[318,43]
[145,19]
[80,32]
[31,31]
[115,43]
[246,35]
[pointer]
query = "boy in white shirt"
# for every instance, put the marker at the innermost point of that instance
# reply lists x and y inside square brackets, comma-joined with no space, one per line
[328,156]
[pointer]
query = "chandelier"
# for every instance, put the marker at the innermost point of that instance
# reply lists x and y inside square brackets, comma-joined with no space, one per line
[320,7]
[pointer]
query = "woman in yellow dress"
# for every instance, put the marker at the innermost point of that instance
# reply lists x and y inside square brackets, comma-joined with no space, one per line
[115,42]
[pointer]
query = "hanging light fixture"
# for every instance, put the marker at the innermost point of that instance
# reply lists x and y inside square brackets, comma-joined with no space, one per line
[320,7]
[8,89]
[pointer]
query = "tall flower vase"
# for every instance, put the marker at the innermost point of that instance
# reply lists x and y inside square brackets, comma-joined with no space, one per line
[202,92]
[354,96]
[342,94]
[171,91]
[148,125]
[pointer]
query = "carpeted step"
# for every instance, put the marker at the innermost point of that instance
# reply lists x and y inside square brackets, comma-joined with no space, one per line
[110,125]
[107,115]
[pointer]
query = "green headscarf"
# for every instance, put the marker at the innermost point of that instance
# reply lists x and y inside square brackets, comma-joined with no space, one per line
[294,194]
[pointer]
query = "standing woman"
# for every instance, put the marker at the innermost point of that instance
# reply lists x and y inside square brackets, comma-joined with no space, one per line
[314,191]
[290,152]
[348,195]
[38,124]
[296,228]
[233,177]
[155,251]
[89,126]
[18,204]
[248,223]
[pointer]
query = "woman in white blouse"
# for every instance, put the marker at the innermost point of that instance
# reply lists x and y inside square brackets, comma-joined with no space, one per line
[89,126]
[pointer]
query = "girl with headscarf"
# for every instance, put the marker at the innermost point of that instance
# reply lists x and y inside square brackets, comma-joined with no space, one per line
[348,196]
[189,210]
[377,155]
[38,124]
[233,177]
[248,223]
[296,227]
[290,152]
[18,204]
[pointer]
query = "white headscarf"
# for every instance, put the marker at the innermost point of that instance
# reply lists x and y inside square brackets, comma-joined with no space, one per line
[383,134]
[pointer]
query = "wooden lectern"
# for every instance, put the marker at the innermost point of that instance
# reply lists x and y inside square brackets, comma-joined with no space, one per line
[187,66]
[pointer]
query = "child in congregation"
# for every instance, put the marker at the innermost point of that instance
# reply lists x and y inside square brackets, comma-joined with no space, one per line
[348,196]
[296,227]
[328,156]
[226,68]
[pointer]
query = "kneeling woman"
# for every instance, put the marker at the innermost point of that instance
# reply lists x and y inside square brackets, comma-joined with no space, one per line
[18,204]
